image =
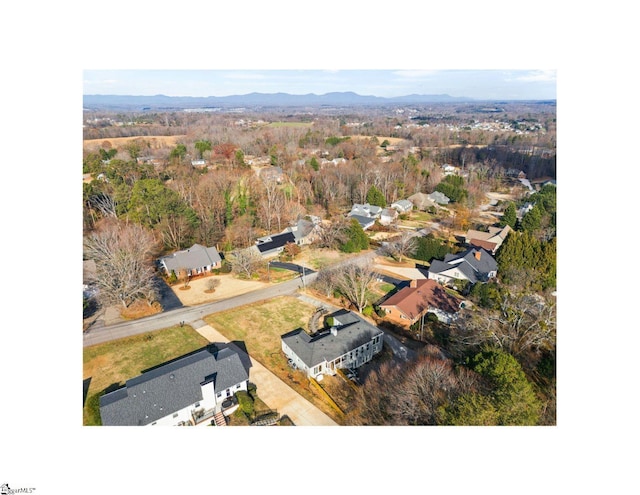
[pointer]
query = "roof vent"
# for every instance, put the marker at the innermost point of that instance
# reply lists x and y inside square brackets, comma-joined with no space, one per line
[334,331]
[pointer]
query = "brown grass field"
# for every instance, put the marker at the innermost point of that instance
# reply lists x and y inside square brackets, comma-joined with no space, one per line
[155,142]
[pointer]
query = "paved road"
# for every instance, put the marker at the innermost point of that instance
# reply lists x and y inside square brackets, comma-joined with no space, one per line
[175,315]
[101,334]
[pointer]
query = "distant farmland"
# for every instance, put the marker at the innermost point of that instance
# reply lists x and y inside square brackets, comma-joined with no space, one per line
[155,142]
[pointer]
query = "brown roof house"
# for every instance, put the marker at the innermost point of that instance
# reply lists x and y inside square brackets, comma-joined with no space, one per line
[408,305]
[491,240]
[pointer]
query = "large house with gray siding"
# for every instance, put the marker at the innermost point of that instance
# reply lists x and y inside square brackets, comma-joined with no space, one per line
[185,391]
[349,343]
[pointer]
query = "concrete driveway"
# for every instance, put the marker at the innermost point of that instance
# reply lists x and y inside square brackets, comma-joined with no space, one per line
[273,391]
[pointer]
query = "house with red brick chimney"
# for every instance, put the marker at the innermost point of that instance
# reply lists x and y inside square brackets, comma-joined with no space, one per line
[409,304]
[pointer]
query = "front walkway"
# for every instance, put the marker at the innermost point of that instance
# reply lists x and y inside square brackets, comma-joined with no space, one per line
[273,391]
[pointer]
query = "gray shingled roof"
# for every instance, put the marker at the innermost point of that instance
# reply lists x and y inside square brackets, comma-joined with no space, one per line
[364,222]
[467,263]
[196,256]
[171,387]
[352,332]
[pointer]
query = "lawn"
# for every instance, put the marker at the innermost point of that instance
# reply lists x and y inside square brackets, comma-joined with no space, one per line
[111,364]
[259,326]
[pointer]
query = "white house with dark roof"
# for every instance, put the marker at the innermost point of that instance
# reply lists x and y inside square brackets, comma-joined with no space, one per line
[349,343]
[474,265]
[185,391]
[196,260]
[402,205]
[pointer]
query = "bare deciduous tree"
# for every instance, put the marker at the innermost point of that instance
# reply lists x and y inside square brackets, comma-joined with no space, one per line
[245,262]
[524,323]
[402,246]
[326,281]
[212,284]
[123,256]
[354,279]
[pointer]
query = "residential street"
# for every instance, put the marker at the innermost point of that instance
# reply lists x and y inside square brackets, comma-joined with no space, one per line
[273,391]
[101,334]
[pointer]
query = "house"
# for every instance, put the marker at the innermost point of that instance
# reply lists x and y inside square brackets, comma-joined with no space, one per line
[438,197]
[365,222]
[184,391]
[421,201]
[199,163]
[523,210]
[304,231]
[422,296]
[490,240]
[402,205]
[349,343]
[196,260]
[365,210]
[268,174]
[272,245]
[388,216]
[474,265]
[448,169]
[515,173]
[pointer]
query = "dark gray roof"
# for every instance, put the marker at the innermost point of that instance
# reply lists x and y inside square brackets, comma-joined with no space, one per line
[474,269]
[171,387]
[352,332]
[363,221]
[277,241]
[196,256]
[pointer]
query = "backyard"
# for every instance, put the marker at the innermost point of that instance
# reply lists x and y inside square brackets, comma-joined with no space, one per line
[259,327]
[108,366]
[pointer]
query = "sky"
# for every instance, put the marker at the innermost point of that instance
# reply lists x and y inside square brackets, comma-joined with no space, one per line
[538,84]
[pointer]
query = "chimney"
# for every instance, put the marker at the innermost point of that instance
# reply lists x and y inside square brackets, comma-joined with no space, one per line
[478,254]
[334,331]
[413,284]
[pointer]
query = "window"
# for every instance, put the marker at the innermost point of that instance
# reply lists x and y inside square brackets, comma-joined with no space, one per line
[175,415]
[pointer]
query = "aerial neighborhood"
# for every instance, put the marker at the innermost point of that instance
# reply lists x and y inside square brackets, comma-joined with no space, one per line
[319,267]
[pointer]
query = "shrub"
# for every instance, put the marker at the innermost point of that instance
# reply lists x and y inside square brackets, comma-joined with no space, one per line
[367,310]
[245,402]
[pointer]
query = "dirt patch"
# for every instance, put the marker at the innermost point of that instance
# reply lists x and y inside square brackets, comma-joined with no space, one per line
[230,286]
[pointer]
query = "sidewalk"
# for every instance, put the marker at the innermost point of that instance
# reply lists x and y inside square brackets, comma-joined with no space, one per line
[273,391]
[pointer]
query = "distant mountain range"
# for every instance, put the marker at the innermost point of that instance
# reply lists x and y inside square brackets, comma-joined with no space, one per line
[252,100]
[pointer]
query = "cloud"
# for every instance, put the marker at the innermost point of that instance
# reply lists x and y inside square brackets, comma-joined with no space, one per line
[537,76]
